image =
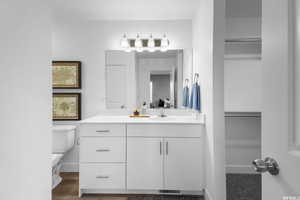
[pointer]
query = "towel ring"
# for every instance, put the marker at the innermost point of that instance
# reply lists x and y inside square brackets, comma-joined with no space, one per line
[196,78]
[186,82]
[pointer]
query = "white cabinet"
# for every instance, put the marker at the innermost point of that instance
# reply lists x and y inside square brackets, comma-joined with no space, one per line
[183,165]
[116,87]
[102,157]
[120,75]
[141,158]
[145,163]
[167,162]
[102,176]
[101,149]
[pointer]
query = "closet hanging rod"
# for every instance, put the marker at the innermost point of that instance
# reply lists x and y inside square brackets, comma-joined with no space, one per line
[247,116]
[250,39]
[243,114]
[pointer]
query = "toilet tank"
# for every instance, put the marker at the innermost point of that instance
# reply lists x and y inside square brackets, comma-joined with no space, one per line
[63,138]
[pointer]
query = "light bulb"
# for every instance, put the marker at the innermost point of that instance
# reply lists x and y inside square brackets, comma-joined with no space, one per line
[151,43]
[124,42]
[164,42]
[138,42]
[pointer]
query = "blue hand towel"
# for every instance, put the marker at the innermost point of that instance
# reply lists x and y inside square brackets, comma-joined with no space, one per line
[195,101]
[185,97]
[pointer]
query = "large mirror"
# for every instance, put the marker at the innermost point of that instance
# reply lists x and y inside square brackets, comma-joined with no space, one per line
[154,79]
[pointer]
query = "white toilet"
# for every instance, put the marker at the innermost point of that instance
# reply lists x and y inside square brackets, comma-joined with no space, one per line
[63,140]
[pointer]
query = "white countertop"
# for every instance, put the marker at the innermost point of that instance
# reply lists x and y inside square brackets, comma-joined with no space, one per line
[172,119]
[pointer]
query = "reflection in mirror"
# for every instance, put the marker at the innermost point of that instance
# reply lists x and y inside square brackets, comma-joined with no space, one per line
[153,79]
[160,89]
[158,76]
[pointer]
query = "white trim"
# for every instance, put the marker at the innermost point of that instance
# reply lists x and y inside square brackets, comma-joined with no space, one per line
[240,169]
[69,167]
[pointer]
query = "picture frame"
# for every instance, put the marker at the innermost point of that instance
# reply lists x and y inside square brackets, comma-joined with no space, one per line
[66,106]
[66,74]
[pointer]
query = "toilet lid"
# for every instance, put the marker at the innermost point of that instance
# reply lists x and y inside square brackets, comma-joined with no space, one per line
[63,128]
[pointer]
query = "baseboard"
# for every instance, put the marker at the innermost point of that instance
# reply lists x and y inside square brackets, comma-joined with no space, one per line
[69,167]
[240,169]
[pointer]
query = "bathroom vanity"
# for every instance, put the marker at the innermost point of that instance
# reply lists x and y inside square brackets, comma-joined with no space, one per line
[119,154]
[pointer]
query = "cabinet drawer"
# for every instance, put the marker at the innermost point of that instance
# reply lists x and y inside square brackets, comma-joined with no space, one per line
[100,149]
[101,130]
[165,130]
[102,176]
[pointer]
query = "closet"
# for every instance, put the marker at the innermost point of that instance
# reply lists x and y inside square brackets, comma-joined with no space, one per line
[242,102]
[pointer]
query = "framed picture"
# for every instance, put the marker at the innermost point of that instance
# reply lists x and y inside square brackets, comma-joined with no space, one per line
[66,106]
[66,74]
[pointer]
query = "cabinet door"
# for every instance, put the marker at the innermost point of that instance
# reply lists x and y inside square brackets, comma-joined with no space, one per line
[115,87]
[183,164]
[145,163]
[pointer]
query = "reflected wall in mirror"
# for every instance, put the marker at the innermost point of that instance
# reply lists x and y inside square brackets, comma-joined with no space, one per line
[152,78]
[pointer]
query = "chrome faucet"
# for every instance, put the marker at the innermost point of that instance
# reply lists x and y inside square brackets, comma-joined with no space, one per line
[162,112]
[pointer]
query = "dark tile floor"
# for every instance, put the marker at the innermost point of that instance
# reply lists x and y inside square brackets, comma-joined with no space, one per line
[243,186]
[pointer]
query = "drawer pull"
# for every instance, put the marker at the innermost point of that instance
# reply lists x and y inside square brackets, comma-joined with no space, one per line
[102,131]
[102,150]
[102,177]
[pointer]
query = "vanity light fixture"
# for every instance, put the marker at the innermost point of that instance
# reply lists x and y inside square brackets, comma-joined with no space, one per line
[140,44]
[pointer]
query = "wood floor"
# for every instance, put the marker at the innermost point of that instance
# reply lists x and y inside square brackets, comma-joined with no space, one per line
[68,190]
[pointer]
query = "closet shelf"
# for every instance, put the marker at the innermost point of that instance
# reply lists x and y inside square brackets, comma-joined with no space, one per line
[242,56]
[243,114]
[243,40]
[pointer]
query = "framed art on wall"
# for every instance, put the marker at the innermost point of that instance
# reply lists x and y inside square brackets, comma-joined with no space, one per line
[66,106]
[66,74]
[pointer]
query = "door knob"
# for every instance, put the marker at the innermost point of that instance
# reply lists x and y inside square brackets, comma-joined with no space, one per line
[267,165]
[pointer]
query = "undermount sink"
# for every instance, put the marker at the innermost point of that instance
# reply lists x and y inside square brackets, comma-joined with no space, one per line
[170,118]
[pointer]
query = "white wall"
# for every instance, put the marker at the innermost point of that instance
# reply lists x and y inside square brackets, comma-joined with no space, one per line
[25,103]
[243,27]
[208,41]
[87,41]
[242,85]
